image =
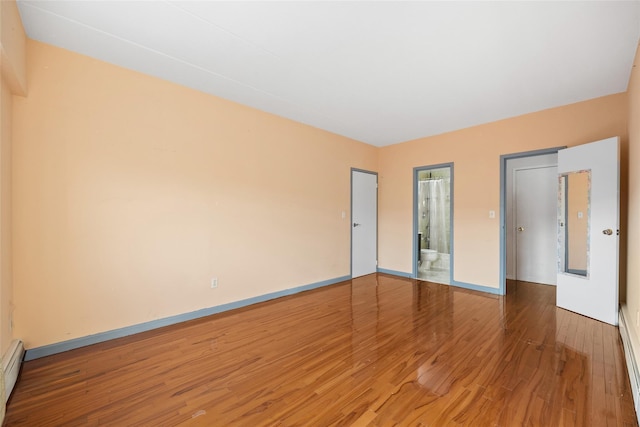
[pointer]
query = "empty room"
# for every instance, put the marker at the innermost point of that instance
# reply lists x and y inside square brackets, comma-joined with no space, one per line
[319,213]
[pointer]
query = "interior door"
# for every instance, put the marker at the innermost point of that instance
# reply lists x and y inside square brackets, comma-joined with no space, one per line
[535,220]
[588,222]
[364,223]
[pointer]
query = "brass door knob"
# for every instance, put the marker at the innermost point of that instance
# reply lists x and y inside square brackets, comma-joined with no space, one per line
[520,228]
[608,232]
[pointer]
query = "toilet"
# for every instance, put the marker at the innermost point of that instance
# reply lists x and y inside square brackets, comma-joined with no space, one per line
[427,256]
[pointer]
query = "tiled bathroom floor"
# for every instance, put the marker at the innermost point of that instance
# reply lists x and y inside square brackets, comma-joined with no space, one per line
[435,275]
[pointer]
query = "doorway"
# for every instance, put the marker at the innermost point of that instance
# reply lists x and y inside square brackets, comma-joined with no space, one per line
[364,222]
[528,201]
[587,227]
[433,219]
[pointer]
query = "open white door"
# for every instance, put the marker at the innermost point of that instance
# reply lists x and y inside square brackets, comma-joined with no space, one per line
[364,223]
[588,223]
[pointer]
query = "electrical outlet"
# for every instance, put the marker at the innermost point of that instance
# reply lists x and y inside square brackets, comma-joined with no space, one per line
[214,283]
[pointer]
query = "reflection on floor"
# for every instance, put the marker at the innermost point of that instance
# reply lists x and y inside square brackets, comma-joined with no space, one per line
[435,275]
[378,350]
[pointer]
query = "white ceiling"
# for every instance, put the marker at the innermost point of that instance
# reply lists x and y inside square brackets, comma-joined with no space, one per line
[377,72]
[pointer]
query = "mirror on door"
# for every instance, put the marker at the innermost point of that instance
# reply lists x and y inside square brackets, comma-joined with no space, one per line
[573,222]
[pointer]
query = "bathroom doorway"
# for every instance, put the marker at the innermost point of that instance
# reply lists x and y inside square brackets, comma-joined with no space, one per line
[433,214]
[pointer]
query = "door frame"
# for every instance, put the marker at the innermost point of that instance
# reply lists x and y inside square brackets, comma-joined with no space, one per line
[502,290]
[351,217]
[417,170]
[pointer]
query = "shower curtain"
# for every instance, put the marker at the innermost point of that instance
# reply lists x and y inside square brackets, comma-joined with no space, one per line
[432,195]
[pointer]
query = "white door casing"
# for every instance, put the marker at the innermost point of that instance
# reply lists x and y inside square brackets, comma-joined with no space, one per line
[595,295]
[364,223]
[535,224]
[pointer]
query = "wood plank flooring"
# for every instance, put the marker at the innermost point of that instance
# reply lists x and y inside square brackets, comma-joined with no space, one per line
[378,350]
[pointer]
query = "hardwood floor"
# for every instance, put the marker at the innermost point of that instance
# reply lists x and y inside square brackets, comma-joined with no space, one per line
[378,350]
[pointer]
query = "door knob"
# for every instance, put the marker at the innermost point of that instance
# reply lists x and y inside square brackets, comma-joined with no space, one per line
[520,228]
[608,232]
[355,224]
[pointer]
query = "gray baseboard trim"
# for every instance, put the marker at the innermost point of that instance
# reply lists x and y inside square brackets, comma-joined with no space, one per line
[48,350]
[630,347]
[395,273]
[470,286]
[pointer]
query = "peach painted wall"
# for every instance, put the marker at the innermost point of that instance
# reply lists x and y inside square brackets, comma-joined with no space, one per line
[578,187]
[632,306]
[13,52]
[131,193]
[6,282]
[13,80]
[475,153]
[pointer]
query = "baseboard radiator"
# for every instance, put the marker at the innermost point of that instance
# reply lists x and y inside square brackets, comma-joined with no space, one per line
[630,358]
[11,362]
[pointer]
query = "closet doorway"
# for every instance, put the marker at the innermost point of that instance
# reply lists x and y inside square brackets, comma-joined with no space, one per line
[529,191]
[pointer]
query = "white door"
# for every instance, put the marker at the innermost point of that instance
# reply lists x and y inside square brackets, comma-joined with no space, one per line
[588,230]
[536,204]
[364,223]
